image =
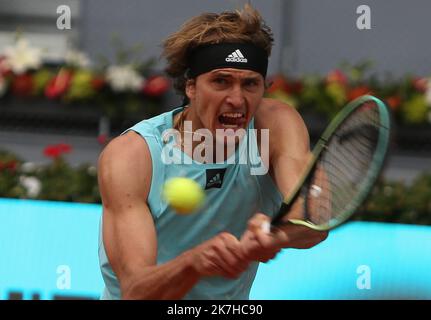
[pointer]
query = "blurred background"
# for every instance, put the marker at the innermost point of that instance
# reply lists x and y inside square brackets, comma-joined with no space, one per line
[74,74]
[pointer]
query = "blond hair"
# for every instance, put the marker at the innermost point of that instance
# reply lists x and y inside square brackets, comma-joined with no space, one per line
[244,26]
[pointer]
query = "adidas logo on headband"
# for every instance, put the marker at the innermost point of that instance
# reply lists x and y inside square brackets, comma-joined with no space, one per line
[248,56]
[236,56]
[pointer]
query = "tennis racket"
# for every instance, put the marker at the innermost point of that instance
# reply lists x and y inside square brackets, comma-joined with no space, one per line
[345,164]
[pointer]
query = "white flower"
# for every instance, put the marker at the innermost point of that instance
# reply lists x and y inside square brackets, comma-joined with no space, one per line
[32,185]
[2,86]
[22,57]
[77,58]
[28,167]
[124,78]
[92,171]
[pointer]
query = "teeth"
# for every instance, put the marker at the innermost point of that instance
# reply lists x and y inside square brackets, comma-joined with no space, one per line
[232,115]
[230,126]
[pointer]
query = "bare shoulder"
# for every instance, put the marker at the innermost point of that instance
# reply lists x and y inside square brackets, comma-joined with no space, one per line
[287,131]
[273,112]
[125,148]
[125,168]
[283,121]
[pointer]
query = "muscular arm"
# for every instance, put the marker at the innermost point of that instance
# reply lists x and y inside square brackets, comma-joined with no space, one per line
[289,153]
[128,230]
[289,149]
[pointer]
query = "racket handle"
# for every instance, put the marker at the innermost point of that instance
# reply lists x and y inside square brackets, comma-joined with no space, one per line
[285,208]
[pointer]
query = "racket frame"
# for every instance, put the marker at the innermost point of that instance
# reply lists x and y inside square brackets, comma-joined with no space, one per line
[367,183]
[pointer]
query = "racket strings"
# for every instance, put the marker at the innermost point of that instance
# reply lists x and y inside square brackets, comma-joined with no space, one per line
[343,167]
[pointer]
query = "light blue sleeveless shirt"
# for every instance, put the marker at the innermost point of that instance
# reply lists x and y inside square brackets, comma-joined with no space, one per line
[233,195]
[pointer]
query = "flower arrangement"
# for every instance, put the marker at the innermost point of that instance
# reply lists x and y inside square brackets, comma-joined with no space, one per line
[118,89]
[409,98]
[127,86]
[56,180]
[395,201]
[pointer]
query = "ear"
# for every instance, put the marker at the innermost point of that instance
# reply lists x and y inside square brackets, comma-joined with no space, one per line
[191,89]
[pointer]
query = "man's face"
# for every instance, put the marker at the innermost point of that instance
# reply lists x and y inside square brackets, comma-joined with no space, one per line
[225,98]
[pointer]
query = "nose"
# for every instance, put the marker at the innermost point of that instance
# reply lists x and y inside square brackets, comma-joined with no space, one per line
[236,97]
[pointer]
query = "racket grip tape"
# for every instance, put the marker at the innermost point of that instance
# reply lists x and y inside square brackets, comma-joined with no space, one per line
[278,219]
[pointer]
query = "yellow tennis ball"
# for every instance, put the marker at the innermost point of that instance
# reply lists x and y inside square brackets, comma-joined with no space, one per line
[183,194]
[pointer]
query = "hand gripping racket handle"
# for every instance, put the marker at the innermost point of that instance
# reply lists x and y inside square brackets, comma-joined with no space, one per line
[286,207]
[277,221]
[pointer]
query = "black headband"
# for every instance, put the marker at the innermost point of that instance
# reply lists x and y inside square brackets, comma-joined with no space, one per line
[227,55]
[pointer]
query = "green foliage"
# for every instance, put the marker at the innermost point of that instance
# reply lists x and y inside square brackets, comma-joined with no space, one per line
[40,81]
[408,97]
[400,202]
[415,110]
[390,201]
[56,180]
[418,199]
[81,86]
[9,177]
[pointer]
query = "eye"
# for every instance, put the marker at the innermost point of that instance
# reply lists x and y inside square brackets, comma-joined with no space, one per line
[251,83]
[220,80]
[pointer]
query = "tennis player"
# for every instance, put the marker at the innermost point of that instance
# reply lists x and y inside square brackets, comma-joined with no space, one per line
[218,63]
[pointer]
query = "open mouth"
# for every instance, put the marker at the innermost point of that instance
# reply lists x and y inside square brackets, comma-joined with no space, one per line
[232,120]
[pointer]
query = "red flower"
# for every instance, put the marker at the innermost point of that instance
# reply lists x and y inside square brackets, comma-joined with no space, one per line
[156,86]
[52,152]
[64,148]
[394,102]
[55,151]
[337,76]
[420,84]
[278,82]
[357,92]
[102,138]
[58,85]
[98,83]
[10,165]
[22,85]
[296,87]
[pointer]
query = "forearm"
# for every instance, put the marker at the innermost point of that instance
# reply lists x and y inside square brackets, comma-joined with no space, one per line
[171,280]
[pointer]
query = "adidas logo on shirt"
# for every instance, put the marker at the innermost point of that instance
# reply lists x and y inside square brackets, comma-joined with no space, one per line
[214,178]
[236,56]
